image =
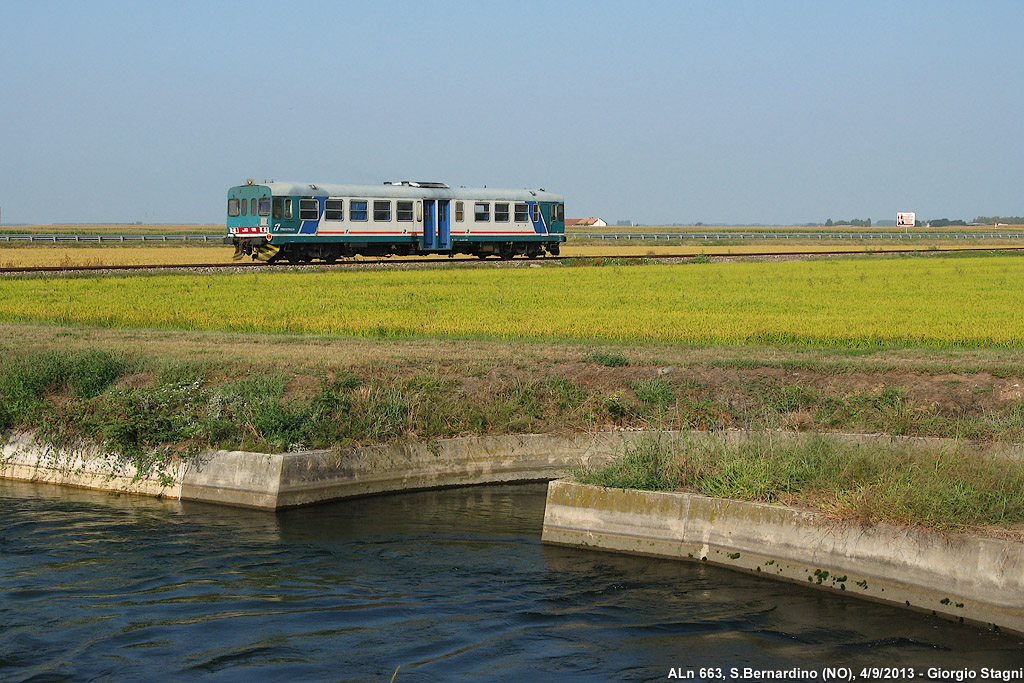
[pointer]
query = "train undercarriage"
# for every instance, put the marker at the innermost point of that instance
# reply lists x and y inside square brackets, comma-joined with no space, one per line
[259,249]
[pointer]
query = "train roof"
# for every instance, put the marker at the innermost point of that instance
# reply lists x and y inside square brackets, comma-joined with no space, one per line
[410,190]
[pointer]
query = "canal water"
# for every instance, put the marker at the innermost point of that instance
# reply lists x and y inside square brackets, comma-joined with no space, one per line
[447,585]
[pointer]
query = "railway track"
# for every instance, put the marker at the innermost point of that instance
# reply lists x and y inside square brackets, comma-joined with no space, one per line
[689,254]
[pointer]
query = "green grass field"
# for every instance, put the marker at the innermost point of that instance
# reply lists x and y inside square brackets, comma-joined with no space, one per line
[965,301]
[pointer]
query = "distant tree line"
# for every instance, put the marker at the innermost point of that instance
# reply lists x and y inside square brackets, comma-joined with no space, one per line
[855,222]
[934,222]
[992,220]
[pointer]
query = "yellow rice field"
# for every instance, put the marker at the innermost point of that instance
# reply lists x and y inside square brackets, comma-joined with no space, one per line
[184,254]
[968,301]
[148,255]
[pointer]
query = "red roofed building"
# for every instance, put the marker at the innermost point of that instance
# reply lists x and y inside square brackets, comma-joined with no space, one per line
[585,223]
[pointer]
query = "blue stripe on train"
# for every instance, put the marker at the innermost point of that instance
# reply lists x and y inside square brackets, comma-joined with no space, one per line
[309,227]
[538,226]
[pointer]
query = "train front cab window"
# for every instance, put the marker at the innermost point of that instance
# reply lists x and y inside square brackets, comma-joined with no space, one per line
[233,209]
[244,205]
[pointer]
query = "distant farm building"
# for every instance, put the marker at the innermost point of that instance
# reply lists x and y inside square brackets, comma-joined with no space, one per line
[586,223]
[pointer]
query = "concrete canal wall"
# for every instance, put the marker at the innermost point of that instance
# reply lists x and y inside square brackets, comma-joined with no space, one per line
[278,480]
[966,578]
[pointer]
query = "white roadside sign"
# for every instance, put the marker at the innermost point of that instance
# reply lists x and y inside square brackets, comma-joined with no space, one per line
[907,219]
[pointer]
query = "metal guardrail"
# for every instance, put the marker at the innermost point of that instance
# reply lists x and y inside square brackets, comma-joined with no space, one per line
[67,237]
[13,237]
[794,235]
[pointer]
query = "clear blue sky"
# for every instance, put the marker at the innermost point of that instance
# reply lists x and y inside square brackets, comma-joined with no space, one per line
[732,112]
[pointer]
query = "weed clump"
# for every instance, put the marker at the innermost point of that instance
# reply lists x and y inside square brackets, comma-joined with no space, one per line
[26,380]
[610,360]
[91,372]
[656,392]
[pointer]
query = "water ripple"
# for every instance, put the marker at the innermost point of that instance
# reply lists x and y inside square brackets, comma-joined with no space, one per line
[446,585]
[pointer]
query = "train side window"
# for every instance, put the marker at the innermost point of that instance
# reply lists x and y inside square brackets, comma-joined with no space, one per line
[501,213]
[309,209]
[334,210]
[288,208]
[404,211]
[265,206]
[278,208]
[382,211]
[460,212]
[559,212]
[244,206]
[482,212]
[522,213]
[357,210]
[536,213]
[233,207]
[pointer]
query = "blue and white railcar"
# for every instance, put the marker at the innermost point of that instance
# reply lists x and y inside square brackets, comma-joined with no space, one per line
[300,222]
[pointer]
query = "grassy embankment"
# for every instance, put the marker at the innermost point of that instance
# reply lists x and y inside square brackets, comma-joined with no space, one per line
[904,346]
[949,488]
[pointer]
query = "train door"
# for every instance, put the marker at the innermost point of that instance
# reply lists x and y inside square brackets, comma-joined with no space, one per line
[437,233]
[285,219]
[429,225]
[444,232]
